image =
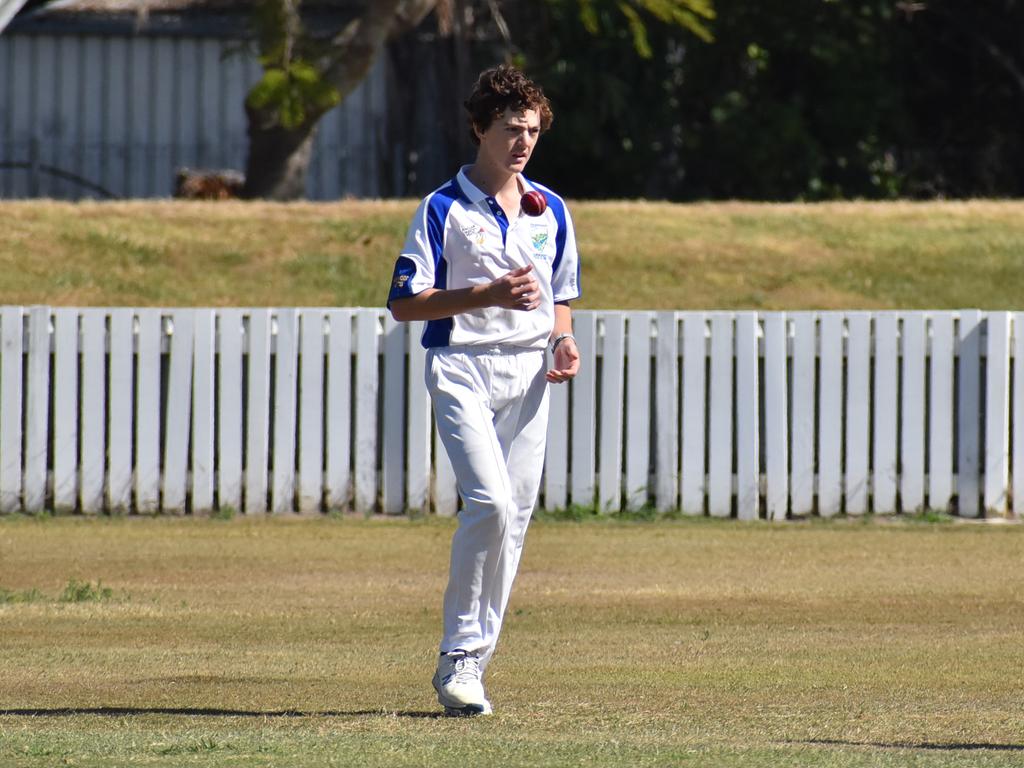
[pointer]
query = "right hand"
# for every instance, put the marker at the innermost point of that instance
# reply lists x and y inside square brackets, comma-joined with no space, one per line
[517,289]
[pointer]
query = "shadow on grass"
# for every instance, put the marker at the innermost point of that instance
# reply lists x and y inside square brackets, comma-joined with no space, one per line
[208,712]
[951,747]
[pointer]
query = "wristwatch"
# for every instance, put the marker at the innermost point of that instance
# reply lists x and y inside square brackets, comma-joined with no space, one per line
[559,339]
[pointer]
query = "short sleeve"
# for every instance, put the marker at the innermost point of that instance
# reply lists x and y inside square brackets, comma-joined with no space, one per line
[416,266]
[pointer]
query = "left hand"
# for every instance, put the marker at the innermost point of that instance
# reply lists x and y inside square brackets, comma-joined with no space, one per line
[566,363]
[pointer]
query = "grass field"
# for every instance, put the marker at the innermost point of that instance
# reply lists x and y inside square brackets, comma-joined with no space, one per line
[937,255]
[164,642]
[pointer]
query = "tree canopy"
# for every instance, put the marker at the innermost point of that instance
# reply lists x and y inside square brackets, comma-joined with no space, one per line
[786,99]
[686,99]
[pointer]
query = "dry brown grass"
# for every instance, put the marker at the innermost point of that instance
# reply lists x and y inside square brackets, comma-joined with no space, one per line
[636,254]
[700,642]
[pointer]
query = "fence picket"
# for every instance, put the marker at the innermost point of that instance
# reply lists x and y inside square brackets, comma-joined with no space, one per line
[610,449]
[93,407]
[1018,412]
[584,420]
[367,330]
[229,409]
[311,410]
[556,454]
[65,409]
[37,408]
[997,413]
[830,415]
[886,413]
[393,416]
[121,409]
[417,486]
[858,412]
[339,408]
[692,482]
[776,416]
[286,374]
[12,337]
[912,413]
[748,441]
[969,414]
[666,425]
[147,411]
[940,414]
[446,496]
[720,419]
[203,411]
[257,412]
[638,409]
[802,439]
[179,404]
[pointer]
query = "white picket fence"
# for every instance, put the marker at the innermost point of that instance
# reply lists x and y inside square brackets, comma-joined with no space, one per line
[724,413]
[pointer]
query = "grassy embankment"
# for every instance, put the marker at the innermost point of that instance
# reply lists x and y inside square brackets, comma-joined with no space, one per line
[637,255]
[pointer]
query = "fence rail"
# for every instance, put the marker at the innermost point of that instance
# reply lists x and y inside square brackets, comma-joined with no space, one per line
[722,413]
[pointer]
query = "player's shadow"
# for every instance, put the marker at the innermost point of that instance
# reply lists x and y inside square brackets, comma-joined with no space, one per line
[966,746]
[211,712]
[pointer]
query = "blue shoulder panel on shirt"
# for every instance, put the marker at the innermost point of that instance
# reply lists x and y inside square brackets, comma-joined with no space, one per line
[438,333]
[437,214]
[557,207]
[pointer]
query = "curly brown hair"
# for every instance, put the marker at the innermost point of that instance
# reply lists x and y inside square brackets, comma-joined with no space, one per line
[500,88]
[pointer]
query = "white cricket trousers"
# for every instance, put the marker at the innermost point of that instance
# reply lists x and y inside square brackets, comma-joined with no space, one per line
[491,406]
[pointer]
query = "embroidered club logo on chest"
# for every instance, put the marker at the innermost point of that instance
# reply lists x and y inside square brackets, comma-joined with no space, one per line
[539,238]
[475,233]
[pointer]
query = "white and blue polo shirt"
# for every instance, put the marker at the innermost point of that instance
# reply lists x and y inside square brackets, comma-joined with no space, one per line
[460,237]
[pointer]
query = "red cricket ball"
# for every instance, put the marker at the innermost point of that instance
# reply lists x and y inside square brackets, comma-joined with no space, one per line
[533,203]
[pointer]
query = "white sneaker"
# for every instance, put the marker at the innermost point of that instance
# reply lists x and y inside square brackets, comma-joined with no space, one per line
[458,685]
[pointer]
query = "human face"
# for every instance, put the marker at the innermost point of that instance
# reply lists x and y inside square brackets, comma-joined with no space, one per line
[509,141]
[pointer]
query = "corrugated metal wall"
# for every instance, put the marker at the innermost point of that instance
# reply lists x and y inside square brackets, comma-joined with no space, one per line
[123,113]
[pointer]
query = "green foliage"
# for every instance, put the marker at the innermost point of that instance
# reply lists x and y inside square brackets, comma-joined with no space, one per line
[580,513]
[296,93]
[780,100]
[601,16]
[930,516]
[276,24]
[292,89]
[10,596]
[226,512]
[85,592]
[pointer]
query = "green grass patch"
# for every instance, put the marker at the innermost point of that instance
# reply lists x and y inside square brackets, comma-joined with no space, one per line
[76,591]
[578,513]
[31,595]
[311,642]
[636,255]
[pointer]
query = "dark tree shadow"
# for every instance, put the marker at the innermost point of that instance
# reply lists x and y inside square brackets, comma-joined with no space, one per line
[209,712]
[951,747]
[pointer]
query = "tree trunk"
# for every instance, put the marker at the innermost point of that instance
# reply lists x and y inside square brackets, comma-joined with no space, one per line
[278,160]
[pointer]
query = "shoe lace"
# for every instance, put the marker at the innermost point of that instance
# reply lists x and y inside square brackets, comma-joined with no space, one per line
[466,670]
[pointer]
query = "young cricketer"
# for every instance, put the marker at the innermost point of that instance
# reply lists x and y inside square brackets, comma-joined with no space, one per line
[491,268]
